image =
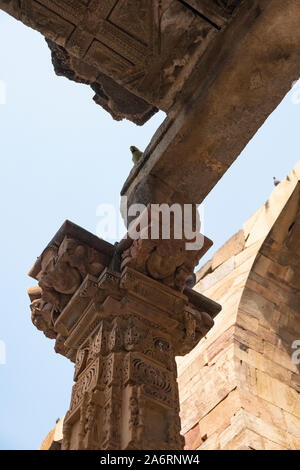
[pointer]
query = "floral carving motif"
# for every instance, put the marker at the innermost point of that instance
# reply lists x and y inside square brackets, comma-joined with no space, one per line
[80,364]
[124,329]
[115,339]
[134,334]
[87,382]
[64,268]
[163,258]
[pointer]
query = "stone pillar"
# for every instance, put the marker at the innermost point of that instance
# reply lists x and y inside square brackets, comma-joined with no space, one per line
[121,314]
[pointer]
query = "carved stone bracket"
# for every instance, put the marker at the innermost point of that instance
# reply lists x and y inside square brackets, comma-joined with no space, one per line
[160,251]
[123,330]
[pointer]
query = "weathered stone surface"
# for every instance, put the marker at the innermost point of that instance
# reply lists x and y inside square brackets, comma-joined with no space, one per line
[114,98]
[212,278]
[135,59]
[213,442]
[219,418]
[166,260]
[203,271]
[246,358]
[205,390]
[114,314]
[232,247]
[193,438]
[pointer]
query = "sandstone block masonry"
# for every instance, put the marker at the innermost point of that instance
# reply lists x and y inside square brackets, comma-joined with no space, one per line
[239,388]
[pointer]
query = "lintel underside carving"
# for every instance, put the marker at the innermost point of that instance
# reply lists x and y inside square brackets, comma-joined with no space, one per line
[136,57]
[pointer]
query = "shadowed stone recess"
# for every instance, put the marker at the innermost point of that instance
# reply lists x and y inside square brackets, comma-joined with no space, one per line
[115,99]
[137,56]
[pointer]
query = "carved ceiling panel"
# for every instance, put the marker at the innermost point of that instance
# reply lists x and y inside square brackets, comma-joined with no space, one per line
[146,48]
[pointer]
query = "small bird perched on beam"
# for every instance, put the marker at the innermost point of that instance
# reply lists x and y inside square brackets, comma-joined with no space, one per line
[136,154]
[276,181]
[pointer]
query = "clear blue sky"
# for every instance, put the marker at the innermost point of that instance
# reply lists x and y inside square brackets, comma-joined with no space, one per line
[62,156]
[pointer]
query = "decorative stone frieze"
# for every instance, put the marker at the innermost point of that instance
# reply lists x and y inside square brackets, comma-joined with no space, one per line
[122,329]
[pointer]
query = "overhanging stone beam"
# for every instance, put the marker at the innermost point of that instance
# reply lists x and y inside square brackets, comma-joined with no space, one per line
[136,55]
[121,314]
[240,80]
[217,67]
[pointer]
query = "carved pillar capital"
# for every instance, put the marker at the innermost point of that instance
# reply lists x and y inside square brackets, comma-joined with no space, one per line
[123,329]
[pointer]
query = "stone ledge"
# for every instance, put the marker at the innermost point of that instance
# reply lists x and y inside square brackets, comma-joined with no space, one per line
[232,247]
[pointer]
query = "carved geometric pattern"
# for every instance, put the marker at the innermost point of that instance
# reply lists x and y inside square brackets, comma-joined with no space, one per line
[123,330]
[134,57]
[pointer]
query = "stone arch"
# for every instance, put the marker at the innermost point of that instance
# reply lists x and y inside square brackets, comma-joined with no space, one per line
[239,388]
